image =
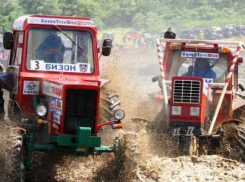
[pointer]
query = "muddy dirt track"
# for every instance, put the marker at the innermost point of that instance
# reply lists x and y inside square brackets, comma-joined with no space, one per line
[149,155]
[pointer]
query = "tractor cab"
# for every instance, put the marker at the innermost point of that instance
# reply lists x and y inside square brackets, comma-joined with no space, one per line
[212,66]
[199,81]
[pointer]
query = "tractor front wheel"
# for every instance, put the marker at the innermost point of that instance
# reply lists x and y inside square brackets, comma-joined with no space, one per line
[14,165]
[190,145]
[118,155]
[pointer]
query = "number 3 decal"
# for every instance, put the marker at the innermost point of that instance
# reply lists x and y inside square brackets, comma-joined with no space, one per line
[37,65]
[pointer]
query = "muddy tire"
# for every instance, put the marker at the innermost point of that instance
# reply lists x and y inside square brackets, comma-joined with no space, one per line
[130,154]
[109,104]
[14,168]
[1,105]
[232,143]
[118,151]
[14,112]
[190,146]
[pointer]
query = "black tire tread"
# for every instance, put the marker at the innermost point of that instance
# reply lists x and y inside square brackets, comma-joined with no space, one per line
[14,157]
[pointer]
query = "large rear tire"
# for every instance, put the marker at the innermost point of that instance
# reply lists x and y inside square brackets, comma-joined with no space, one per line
[14,165]
[232,143]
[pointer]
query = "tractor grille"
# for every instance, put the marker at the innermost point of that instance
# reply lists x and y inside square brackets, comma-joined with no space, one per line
[187,91]
[80,109]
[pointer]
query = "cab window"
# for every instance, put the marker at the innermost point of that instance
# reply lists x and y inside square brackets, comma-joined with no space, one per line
[60,51]
[213,66]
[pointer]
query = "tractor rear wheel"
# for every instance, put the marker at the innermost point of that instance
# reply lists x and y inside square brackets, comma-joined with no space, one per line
[14,165]
[109,104]
[232,144]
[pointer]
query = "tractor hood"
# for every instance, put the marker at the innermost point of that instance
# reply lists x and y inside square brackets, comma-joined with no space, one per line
[56,87]
[54,84]
[67,81]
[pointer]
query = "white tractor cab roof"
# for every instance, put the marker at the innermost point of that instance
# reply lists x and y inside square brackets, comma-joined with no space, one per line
[173,69]
[202,42]
[23,21]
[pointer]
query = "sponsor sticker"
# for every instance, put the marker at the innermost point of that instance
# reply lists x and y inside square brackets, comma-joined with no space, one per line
[59,21]
[55,126]
[55,105]
[83,68]
[208,80]
[189,54]
[31,88]
[207,90]
[59,106]
[52,89]
[40,65]
[52,104]
[56,118]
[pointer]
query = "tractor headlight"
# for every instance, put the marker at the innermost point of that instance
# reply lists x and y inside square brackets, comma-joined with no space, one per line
[176,110]
[119,114]
[195,111]
[41,110]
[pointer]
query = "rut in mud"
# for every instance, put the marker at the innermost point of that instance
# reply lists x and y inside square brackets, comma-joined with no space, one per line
[148,155]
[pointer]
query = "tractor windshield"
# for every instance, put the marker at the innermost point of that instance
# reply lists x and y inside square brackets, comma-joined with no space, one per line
[60,51]
[213,66]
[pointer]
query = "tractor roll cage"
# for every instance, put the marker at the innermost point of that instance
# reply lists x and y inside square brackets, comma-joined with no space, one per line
[207,42]
[160,46]
[204,43]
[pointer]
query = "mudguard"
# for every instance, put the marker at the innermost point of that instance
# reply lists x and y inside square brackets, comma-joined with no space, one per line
[104,82]
[7,81]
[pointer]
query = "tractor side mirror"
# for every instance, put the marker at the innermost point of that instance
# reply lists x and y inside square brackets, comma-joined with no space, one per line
[8,40]
[106,48]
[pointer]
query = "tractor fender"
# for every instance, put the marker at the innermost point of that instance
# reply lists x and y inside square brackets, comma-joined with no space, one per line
[235,121]
[104,82]
[226,122]
[7,80]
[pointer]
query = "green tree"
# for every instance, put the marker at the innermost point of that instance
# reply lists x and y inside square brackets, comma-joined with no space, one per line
[9,12]
[47,7]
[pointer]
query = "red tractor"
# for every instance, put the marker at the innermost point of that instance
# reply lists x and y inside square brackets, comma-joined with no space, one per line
[54,85]
[200,87]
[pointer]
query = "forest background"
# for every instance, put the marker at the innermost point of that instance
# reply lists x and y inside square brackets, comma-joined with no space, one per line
[143,15]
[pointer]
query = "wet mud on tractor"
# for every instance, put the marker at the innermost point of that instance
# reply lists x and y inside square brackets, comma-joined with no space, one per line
[55,90]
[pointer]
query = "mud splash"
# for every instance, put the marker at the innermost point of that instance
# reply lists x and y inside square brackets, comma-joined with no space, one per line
[148,154]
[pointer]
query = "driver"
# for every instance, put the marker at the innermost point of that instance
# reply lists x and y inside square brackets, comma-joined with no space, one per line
[202,69]
[51,50]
